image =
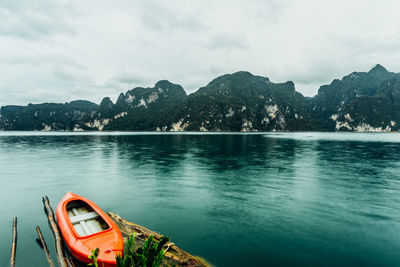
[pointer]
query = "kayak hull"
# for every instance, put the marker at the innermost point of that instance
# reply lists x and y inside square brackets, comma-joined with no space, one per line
[85,227]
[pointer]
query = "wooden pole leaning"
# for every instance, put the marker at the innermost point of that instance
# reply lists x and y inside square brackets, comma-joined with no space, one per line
[44,245]
[62,260]
[14,243]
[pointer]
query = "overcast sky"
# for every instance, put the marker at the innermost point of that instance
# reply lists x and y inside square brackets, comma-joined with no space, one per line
[58,51]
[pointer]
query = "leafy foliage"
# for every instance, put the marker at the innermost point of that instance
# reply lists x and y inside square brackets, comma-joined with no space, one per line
[150,255]
[93,257]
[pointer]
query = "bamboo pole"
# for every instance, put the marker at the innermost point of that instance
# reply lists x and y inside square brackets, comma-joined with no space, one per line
[45,249]
[62,260]
[14,243]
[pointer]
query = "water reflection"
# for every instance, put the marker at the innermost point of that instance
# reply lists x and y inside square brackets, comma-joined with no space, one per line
[238,200]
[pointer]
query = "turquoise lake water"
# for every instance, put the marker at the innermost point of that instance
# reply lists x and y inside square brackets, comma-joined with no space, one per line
[283,199]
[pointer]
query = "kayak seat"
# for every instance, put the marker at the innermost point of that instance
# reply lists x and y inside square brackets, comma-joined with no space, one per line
[84,217]
[83,223]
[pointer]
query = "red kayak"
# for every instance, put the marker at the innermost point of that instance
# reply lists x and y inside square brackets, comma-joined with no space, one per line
[84,226]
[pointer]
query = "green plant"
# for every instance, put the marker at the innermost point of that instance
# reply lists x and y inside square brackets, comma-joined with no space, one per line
[127,259]
[150,255]
[93,257]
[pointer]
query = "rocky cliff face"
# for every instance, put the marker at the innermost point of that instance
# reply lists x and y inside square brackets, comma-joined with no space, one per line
[47,117]
[361,101]
[242,102]
[139,109]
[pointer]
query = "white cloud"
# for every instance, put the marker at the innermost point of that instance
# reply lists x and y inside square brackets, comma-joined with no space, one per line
[58,50]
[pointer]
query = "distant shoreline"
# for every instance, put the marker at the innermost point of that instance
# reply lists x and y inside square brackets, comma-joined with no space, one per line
[179,132]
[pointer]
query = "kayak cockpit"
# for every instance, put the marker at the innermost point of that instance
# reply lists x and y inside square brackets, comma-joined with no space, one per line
[85,220]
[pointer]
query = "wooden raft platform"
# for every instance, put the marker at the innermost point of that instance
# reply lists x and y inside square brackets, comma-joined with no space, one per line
[174,256]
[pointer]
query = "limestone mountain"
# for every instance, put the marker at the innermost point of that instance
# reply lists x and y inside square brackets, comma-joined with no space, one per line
[139,109]
[242,102]
[47,116]
[361,101]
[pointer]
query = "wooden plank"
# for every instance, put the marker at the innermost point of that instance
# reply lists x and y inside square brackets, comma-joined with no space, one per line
[85,228]
[79,230]
[94,226]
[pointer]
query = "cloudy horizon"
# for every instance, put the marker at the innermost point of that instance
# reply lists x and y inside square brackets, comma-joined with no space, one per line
[59,50]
